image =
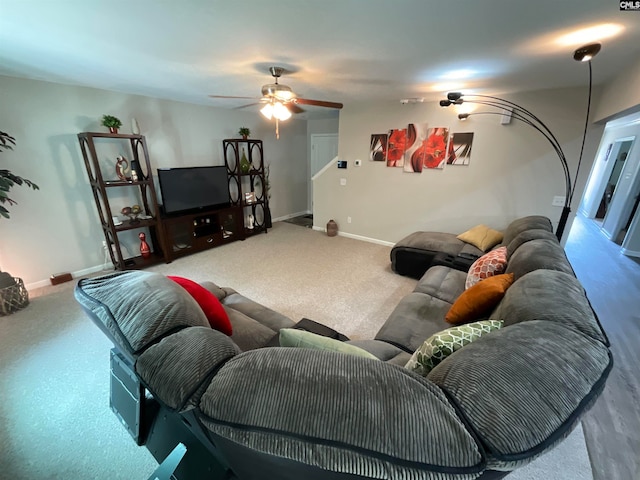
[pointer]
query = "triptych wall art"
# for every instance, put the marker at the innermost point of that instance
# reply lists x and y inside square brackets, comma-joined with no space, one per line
[418,147]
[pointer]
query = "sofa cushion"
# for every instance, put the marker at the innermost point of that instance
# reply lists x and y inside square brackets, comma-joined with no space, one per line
[443,283]
[442,344]
[248,333]
[175,368]
[488,265]
[479,300]
[481,237]
[549,295]
[210,305]
[538,254]
[416,317]
[264,315]
[522,224]
[290,337]
[139,308]
[522,386]
[340,413]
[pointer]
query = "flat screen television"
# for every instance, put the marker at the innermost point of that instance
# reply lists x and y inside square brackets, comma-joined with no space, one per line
[191,189]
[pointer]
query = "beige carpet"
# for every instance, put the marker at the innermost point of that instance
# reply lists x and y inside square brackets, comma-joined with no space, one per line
[55,421]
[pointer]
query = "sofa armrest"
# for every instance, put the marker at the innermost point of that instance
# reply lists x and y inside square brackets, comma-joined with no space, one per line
[339,413]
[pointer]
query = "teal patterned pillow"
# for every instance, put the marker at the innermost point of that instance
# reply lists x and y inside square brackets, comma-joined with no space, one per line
[442,344]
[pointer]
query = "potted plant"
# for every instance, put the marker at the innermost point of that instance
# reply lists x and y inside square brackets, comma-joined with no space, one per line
[13,294]
[244,132]
[7,179]
[111,122]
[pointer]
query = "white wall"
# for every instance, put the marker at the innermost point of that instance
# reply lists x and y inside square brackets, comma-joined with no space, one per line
[621,96]
[513,171]
[56,229]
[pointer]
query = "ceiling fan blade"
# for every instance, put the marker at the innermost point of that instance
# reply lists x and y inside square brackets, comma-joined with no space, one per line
[247,105]
[228,96]
[318,103]
[293,108]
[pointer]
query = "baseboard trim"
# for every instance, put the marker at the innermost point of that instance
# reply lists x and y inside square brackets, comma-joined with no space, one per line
[76,274]
[358,237]
[630,253]
[291,215]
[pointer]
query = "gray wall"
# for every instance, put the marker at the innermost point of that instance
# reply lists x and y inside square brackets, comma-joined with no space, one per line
[513,171]
[621,96]
[56,229]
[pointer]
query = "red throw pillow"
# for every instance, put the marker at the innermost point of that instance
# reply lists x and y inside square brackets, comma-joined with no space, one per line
[210,305]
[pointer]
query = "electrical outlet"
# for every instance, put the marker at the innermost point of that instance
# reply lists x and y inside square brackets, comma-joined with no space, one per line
[348,219]
[558,201]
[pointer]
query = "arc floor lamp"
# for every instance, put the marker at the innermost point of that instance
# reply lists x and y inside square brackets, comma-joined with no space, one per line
[517,112]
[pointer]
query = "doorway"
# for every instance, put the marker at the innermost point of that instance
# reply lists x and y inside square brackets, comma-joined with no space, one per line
[621,152]
[620,192]
[324,148]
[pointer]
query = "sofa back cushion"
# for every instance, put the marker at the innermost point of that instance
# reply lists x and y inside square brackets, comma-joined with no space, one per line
[139,308]
[523,387]
[538,254]
[177,368]
[340,413]
[525,223]
[552,296]
[526,236]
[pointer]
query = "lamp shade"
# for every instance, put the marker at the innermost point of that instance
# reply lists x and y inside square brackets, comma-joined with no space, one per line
[586,53]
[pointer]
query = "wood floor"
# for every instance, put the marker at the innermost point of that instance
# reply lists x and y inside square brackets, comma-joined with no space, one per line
[612,282]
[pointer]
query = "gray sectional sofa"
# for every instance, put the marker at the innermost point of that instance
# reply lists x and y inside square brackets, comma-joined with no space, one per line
[288,413]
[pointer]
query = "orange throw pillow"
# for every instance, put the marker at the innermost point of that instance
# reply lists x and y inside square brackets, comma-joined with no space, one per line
[479,299]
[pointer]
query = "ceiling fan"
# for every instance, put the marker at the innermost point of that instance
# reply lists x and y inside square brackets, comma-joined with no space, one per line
[279,100]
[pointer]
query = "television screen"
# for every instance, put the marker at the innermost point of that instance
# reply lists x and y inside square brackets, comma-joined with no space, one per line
[194,188]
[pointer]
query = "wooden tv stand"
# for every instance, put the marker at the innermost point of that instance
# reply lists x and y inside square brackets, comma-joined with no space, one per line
[194,232]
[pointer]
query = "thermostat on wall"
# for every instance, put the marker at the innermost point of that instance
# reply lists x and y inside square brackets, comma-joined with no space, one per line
[342,164]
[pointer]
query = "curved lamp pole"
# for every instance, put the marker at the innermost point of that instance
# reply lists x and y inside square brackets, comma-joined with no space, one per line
[520,113]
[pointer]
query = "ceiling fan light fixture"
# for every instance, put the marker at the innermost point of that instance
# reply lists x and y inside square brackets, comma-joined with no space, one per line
[281,112]
[267,111]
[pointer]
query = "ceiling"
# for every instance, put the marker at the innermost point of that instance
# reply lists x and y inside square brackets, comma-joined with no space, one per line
[338,50]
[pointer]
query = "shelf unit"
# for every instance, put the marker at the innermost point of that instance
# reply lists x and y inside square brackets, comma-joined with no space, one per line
[190,233]
[144,188]
[253,181]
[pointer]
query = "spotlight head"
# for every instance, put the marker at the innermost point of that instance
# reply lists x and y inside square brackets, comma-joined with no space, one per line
[453,96]
[463,116]
[587,52]
[445,103]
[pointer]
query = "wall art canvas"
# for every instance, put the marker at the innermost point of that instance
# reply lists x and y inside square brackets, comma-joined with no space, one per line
[414,153]
[378,147]
[396,147]
[460,148]
[435,147]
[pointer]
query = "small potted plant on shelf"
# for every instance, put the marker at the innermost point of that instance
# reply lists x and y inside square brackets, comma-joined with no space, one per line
[111,122]
[244,132]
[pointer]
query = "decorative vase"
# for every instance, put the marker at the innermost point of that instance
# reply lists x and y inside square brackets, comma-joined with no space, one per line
[244,137]
[135,128]
[245,166]
[145,251]
[332,228]
[113,130]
